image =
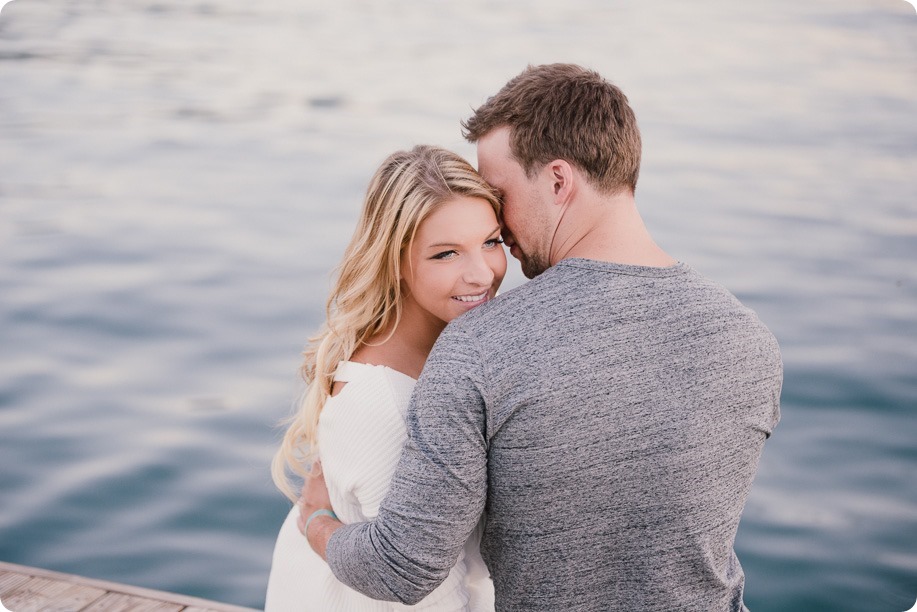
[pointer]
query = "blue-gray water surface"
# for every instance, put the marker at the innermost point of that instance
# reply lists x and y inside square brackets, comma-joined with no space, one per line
[178,179]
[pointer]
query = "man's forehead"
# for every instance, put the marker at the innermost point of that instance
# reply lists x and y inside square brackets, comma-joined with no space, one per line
[495,141]
[493,150]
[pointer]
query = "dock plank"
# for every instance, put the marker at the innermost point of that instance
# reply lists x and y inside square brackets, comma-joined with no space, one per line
[122,602]
[34,594]
[49,595]
[10,580]
[30,589]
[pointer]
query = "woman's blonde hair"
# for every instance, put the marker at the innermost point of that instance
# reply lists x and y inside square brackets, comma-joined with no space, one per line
[366,297]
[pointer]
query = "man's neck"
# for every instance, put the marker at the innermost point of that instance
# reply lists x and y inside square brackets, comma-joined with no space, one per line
[607,228]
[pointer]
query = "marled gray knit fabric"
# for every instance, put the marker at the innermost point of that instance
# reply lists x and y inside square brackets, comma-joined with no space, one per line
[611,417]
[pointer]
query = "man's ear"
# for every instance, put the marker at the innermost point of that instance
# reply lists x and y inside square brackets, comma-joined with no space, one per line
[563,180]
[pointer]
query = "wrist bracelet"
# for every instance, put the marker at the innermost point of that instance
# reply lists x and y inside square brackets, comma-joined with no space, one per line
[319,512]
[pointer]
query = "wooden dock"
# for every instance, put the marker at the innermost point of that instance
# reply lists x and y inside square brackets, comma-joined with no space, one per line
[29,589]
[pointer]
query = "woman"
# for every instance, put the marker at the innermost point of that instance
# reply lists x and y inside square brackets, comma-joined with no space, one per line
[427,249]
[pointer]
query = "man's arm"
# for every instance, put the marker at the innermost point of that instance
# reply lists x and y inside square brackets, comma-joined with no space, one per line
[437,493]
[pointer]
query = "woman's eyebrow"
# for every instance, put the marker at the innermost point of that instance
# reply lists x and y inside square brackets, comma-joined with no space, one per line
[438,245]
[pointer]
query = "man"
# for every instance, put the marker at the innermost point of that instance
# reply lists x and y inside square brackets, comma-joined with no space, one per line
[607,416]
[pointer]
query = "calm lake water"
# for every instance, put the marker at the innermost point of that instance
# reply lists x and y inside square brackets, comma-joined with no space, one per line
[177,180]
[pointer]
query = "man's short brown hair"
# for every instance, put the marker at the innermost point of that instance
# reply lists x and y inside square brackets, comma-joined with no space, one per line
[564,111]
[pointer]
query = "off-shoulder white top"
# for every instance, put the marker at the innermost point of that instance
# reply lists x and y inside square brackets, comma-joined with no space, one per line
[361,433]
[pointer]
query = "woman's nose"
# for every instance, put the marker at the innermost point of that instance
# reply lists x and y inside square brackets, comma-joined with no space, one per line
[478,272]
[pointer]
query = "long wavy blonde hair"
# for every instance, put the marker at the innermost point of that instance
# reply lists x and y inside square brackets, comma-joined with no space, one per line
[366,297]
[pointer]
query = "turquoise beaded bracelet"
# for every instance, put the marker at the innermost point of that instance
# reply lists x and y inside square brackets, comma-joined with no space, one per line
[319,512]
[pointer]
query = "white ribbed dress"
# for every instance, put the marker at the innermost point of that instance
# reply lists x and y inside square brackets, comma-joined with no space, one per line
[361,433]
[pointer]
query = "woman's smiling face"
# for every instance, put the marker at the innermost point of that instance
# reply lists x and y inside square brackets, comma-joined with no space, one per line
[456,261]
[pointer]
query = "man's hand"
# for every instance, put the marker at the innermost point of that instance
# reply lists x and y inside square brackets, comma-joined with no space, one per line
[315,497]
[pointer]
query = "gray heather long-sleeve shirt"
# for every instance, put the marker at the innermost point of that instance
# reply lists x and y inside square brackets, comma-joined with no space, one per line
[608,419]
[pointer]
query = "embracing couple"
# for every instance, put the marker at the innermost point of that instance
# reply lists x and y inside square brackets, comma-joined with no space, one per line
[585,441]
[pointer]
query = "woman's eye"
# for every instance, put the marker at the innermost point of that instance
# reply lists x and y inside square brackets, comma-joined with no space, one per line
[444,255]
[493,242]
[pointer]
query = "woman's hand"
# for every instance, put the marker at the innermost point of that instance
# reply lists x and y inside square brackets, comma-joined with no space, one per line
[315,497]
